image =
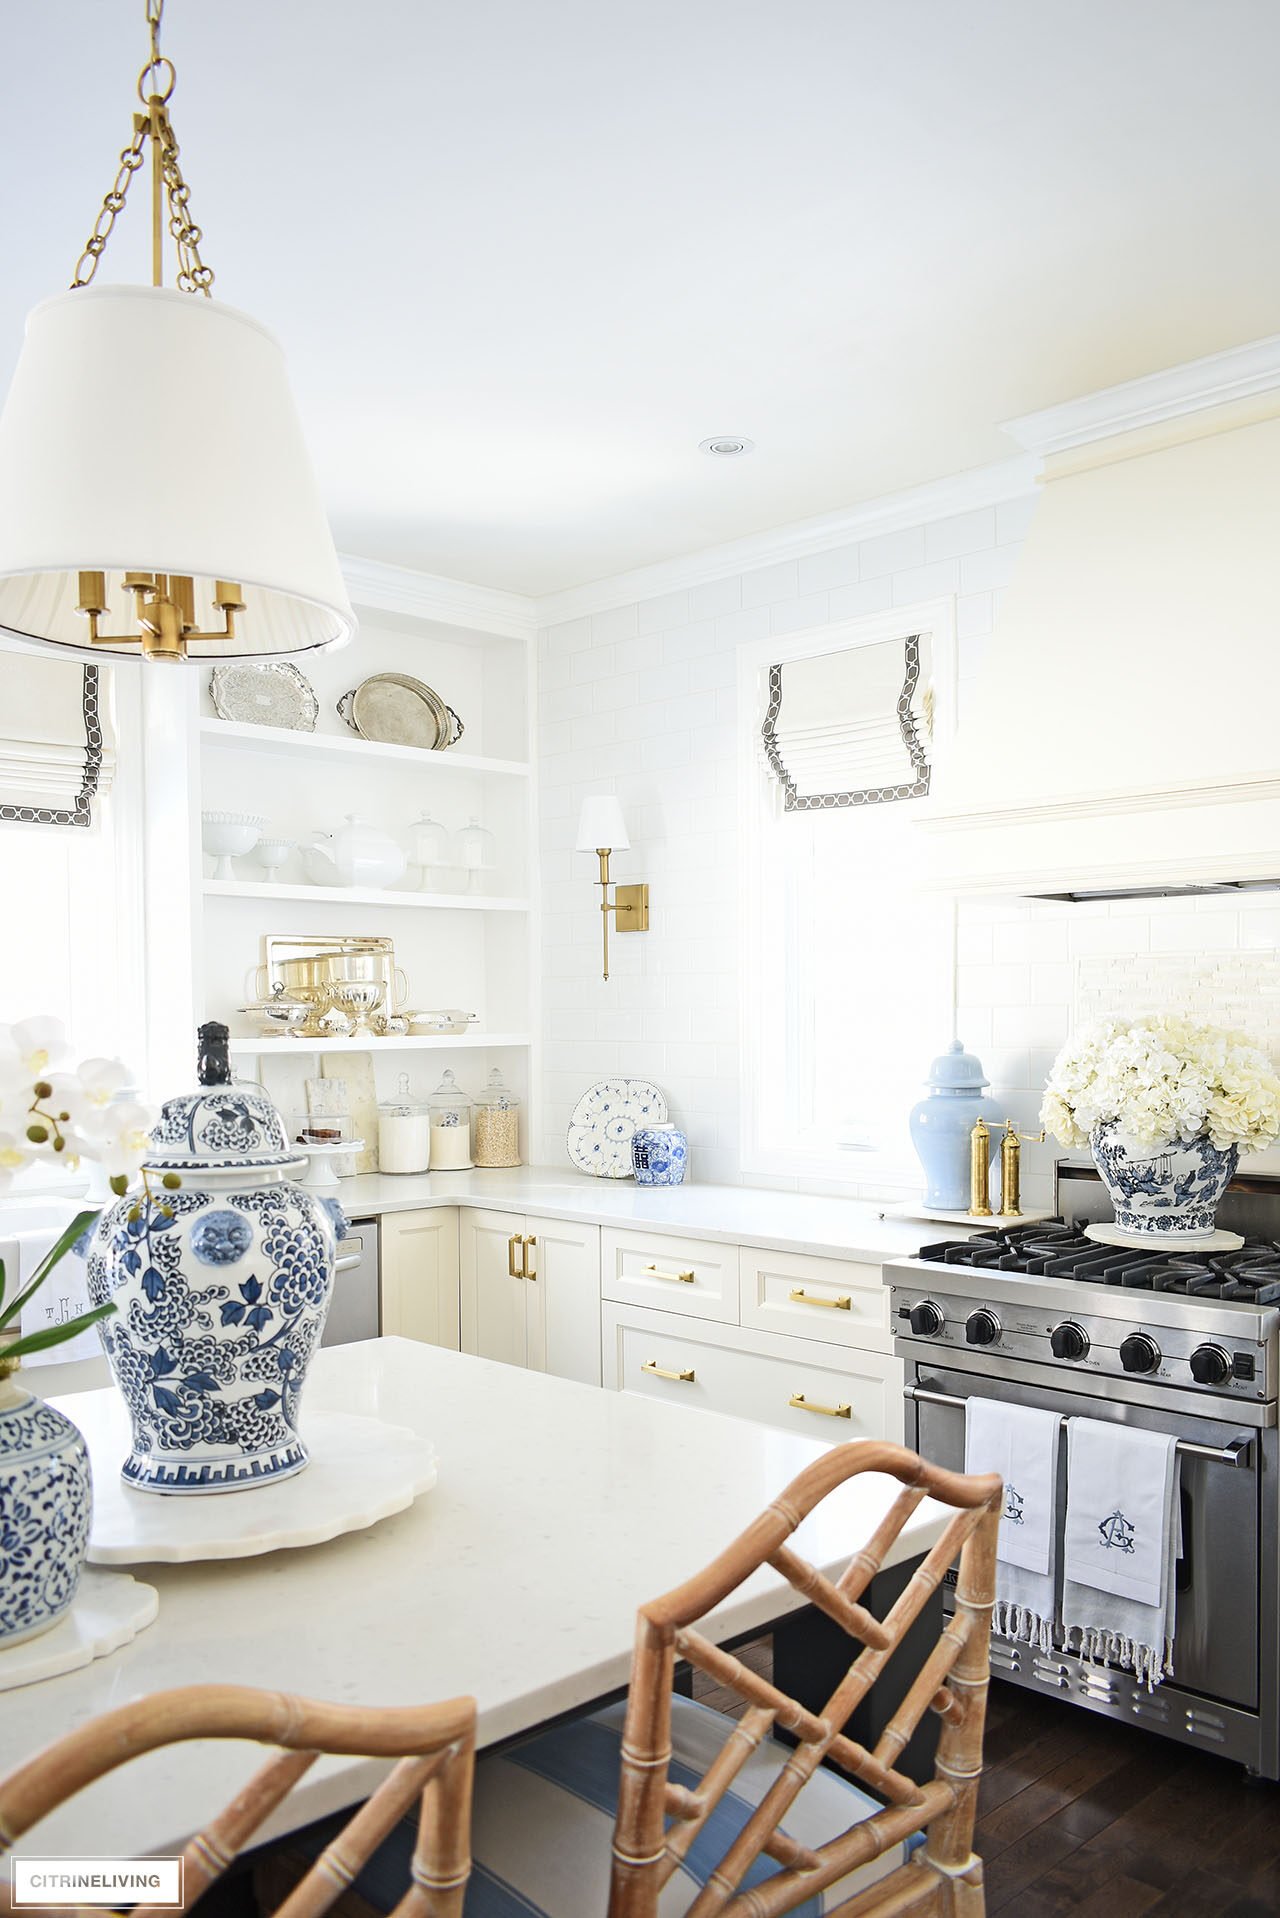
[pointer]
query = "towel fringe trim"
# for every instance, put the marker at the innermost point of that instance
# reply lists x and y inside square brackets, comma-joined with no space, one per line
[1102,1647]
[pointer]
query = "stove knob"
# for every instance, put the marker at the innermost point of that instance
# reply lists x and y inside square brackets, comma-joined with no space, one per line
[1139,1353]
[1068,1340]
[982,1327]
[1210,1365]
[927,1318]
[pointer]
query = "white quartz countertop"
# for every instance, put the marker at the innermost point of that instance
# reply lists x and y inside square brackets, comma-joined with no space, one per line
[744,1215]
[559,1509]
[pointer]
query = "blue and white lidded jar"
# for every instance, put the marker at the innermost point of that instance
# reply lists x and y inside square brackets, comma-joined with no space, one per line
[942,1122]
[46,1500]
[659,1154]
[222,1288]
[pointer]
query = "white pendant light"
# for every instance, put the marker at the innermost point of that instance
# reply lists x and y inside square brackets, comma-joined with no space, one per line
[155,491]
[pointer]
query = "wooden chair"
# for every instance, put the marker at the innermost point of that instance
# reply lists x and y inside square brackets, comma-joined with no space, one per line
[943,1878]
[435,1745]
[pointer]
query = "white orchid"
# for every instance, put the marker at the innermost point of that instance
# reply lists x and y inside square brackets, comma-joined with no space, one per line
[1161,1078]
[53,1113]
[122,1139]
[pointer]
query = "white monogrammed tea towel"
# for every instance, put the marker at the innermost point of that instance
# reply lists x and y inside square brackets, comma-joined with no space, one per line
[1123,1538]
[1021,1443]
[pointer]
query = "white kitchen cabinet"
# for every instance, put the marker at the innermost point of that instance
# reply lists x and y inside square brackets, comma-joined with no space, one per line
[530,1292]
[419,1276]
[839,1301]
[824,1391]
[697,1277]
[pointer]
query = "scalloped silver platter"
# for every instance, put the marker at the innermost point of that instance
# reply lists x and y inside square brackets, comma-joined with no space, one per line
[271,693]
[396,710]
[605,1120]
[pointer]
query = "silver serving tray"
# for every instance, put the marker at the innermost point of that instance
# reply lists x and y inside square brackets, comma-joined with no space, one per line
[397,710]
[270,693]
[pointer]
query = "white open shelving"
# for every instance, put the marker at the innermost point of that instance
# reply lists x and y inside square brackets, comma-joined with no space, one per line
[362,896]
[268,1045]
[319,748]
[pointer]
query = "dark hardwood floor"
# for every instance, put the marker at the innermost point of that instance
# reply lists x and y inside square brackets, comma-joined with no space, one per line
[1104,1821]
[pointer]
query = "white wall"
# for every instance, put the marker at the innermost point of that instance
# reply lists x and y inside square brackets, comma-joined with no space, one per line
[641,699]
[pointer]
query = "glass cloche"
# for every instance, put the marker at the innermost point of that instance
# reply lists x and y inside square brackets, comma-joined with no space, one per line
[475,851]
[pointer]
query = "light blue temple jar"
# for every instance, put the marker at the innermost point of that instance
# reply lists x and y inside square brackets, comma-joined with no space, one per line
[942,1122]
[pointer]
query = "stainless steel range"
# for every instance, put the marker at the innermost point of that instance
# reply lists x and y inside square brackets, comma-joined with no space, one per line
[1041,1315]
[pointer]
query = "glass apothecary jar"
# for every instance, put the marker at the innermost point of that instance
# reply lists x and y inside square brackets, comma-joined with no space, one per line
[404,1132]
[450,1111]
[475,853]
[497,1124]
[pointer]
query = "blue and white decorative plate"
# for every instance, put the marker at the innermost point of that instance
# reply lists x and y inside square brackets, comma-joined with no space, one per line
[605,1120]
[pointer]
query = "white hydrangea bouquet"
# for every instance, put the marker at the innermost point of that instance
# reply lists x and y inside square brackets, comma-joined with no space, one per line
[54,1113]
[1167,1106]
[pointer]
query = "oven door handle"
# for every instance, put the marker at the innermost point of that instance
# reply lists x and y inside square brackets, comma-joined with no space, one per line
[1236,1451]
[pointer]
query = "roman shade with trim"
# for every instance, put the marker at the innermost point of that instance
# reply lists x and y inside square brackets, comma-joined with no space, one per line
[56,750]
[851,727]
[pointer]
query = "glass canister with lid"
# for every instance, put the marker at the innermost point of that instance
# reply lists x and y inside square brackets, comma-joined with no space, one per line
[497,1123]
[450,1127]
[404,1132]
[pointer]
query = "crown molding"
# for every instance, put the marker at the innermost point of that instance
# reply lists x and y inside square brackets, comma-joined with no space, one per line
[454,602]
[1235,374]
[891,513]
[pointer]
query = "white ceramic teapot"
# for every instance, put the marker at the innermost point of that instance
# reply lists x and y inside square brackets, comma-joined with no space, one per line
[355,855]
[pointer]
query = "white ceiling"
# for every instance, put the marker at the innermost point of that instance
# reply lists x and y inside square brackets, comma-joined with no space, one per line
[523,257]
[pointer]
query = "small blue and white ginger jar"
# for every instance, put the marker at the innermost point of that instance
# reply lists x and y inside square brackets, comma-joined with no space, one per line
[46,1500]
[1167,1193]
[222,1288]
[942,1123]
[659,1155]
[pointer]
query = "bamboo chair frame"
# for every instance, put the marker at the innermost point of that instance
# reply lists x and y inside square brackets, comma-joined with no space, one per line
[435,1746]
[945,1880]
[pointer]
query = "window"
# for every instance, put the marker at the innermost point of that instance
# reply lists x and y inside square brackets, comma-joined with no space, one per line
[848,960]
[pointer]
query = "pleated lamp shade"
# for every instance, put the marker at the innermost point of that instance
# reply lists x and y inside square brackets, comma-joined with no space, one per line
[151,430]
[600,824]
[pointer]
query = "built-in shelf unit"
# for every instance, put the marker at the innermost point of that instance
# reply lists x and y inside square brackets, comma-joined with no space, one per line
[470,948]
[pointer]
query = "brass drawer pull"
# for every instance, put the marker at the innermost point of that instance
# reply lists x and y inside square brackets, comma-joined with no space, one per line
[843,1304]
[528,1271]
[681,1378]
[677,1278]
[802,1404]
[516,1271]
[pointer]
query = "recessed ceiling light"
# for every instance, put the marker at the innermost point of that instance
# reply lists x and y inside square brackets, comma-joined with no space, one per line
[727,445]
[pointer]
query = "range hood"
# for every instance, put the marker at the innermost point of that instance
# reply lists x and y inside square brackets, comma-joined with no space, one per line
[1123,735]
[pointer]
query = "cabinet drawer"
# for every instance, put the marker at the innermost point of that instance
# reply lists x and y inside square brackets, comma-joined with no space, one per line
[829,1299]
[697,1277]
[751,1375]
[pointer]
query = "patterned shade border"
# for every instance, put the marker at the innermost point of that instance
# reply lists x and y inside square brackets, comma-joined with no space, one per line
[794,801]
[81,813]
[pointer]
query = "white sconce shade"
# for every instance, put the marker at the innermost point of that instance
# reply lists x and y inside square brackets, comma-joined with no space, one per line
[600,824]
[151,430]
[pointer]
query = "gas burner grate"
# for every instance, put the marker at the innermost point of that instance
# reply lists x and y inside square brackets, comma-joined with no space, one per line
[1055,1250]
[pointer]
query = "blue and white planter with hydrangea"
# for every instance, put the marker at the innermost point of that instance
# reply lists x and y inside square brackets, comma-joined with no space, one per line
[221,1287]
[1166,1106]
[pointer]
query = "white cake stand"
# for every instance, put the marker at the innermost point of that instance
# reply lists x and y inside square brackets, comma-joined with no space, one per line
[109,1609]
[1175,1242]
[361,1470]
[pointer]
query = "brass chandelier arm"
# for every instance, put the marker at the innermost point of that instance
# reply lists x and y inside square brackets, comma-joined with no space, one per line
[169,190]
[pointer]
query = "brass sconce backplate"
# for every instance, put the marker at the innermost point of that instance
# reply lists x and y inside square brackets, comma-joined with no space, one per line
[631,908]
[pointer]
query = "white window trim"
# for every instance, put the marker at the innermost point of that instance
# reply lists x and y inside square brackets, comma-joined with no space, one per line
[855,1167]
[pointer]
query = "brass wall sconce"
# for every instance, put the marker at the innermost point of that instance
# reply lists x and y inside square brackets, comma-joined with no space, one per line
[603,830]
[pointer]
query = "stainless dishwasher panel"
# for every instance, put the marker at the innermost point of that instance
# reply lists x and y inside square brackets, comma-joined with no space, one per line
[355,1308]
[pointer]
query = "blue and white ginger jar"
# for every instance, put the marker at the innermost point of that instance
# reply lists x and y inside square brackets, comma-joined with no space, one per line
[942,1123]
[222,1288]
[1170,1193]
[46,1499]
[659,1155]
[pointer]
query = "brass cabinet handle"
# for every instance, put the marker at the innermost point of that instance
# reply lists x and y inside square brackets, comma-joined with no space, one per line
[516,1271]
[526,1270]
[843,1304]
[802,1404]
[677,1278]
[681,1378]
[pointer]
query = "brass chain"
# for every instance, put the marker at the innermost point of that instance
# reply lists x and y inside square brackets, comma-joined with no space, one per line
[155,87]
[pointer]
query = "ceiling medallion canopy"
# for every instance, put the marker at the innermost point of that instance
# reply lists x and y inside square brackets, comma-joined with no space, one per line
[156,498]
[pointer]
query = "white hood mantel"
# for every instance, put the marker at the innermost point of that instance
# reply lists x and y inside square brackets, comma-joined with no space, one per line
[1124,732]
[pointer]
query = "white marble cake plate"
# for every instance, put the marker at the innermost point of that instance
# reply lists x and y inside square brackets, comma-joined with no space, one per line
[361,1470]
[1169,1244]
[109,1609]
